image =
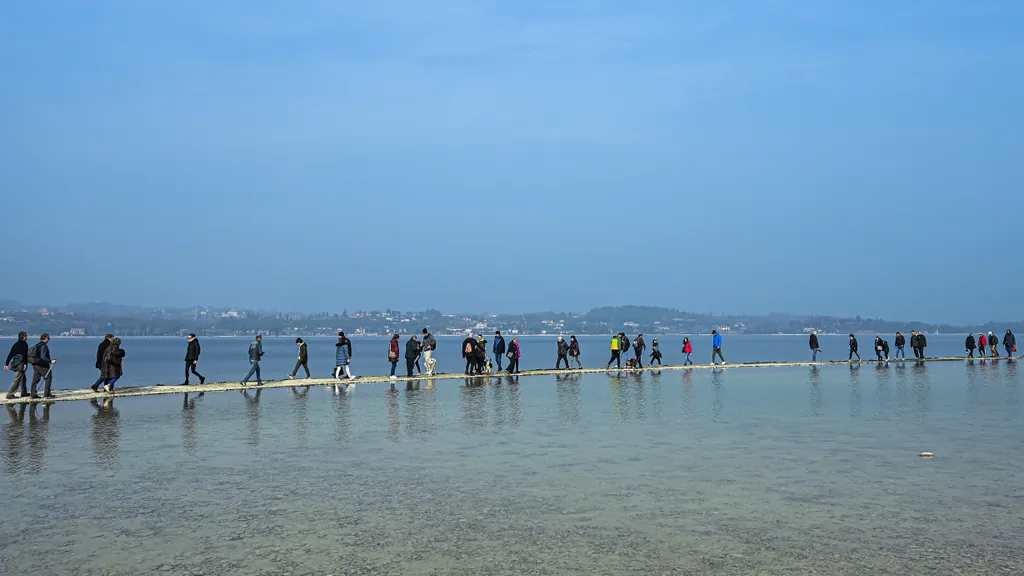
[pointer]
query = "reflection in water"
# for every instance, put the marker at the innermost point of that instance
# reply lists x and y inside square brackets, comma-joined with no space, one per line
[37,435]
[300,395]
[1012,387]
[252,416]
[394,415]
[420,410]
[688,394]
[567,390]
[508,409]
[656,399]
[973,388]
[855,399]
[105,432]
[883,390]
[189,430]
[629,400]
[14,435]
[342,421]
[474,403]
[919,377]
[814,379]
[717,393]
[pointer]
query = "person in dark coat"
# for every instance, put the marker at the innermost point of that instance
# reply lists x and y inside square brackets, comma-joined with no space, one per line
[885,349]
[429,345]
[574,351]
[913,344]
[1009,343]
[901,342]
[113,364]
[993,344]
[100,350]
[192,360]
[255,355]
[499,348]
[970,344]
[563,354]
[469,353]
[342,356]
[638,349]
[853,348]
[42,368]
[655,353]
[412,354]
[878,347]
[513,356]
[922,343]
[393,353]
[302,361]
[17,362]
[623,344]
[813,342]
[480,353]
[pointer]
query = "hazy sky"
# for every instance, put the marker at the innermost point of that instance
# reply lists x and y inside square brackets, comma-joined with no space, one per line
[838,157]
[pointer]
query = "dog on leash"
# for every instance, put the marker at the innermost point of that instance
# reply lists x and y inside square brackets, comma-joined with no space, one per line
[631,363]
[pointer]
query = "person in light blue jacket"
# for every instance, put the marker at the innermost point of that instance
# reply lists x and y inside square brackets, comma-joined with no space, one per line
[716,343]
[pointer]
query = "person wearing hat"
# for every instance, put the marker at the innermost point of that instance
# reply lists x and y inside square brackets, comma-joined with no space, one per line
[499,348]
[1009,343]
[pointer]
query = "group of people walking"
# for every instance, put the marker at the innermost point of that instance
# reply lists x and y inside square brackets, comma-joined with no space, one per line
[991,343]
[918,343]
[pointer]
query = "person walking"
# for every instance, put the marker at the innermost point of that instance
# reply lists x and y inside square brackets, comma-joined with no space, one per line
[192,352]
[1009,343]
[302,361]
[716,343]
[100,350]
[638,349]
[563,354]
[922,343]
[480,353]
[499,349]
[514,354]
[429,345]
[993,344]
[853,348]
[655,353]
[688,350]
[885,349]
[624,346]
[913,344]
[419,354]
[393,352]
[17,362]
[901,343]
[574,352]
[813,342]
[255,355]
[42,366]
[412,354]
[878,348]
[342,356]
[616,353]
[468,353]
[113,364]
[982,344]
[970,345]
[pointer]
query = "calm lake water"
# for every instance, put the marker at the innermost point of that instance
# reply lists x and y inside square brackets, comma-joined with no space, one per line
[736,471]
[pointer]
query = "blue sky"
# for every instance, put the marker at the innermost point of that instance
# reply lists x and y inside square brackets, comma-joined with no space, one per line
[835,157]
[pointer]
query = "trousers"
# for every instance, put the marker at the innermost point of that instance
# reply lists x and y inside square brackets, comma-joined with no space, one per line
[254,368]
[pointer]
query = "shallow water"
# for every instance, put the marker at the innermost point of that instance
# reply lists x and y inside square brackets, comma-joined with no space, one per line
[768,471]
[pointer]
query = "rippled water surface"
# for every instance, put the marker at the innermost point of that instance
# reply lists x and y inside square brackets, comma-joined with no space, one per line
[765,471]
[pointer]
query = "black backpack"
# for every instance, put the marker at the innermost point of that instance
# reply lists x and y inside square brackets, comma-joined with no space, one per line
[33,354]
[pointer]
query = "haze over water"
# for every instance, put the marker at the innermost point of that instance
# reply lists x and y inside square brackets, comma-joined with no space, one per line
[774,471]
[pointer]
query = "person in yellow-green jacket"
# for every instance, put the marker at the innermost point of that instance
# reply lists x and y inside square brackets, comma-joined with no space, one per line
[616,354]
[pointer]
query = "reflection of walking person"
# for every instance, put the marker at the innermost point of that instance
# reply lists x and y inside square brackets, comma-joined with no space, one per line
[302,361]
[192,359]
[255,355]
[853,348]
[716,343]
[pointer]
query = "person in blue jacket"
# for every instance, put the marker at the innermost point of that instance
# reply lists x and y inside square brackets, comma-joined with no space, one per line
[716,343]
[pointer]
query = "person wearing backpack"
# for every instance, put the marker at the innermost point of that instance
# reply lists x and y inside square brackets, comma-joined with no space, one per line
[499,348]
[429,345]
[42,366]
[638,349]
[100,351]
[624,344]
[255,355]
[563,354]
[17,362]
[468,353]
[616,353]
[574,351]
[393,352]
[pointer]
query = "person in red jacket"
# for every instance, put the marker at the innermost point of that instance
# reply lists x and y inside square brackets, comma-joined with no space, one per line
[393,352]
[687,349]
[982,344]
